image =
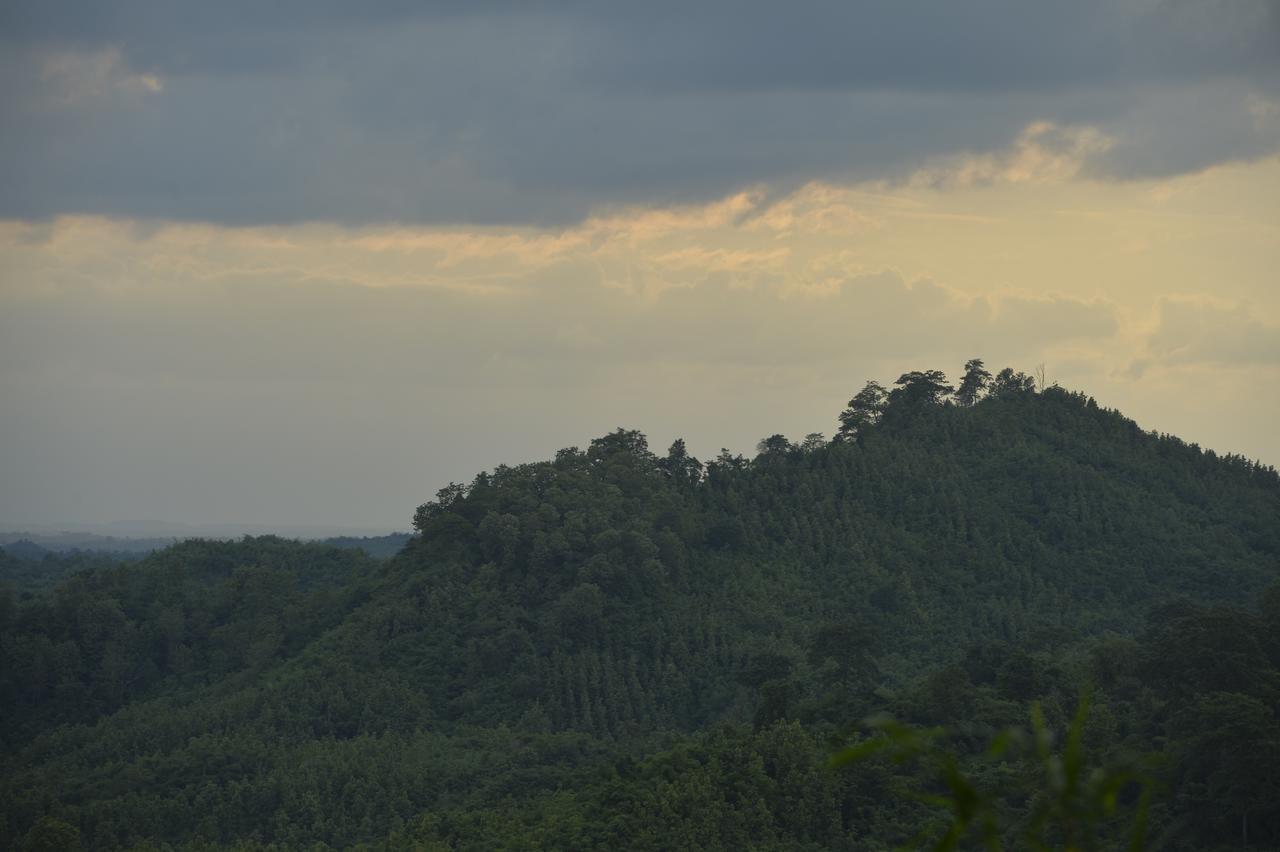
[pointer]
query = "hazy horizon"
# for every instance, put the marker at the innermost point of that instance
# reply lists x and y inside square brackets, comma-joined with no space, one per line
[157,529]
[304,266]
[160,527]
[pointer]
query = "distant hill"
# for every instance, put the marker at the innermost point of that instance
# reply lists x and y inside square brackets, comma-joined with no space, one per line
[25,548]
[621,648]
[35,545]
[29,545]
[36,567]
[379,547]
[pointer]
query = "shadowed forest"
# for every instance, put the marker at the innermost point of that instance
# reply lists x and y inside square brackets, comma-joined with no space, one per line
[981,615]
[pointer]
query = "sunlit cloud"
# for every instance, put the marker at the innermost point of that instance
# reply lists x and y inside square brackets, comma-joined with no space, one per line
[428,347]
[1044,152]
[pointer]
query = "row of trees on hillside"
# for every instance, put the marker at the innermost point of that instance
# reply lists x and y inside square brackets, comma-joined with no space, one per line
[626,452]
[930,387]
[871,404]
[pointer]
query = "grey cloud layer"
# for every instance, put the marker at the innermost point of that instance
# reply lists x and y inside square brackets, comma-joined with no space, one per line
[258,394]
[541,112]
[1195,331]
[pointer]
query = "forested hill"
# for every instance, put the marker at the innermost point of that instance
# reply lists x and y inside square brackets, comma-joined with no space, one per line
[37,565]
[633,649]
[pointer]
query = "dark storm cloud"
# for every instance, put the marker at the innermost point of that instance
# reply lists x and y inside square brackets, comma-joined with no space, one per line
[973,46]
[538,112]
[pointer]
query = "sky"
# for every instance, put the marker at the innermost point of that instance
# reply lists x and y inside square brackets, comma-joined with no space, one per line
[304,263]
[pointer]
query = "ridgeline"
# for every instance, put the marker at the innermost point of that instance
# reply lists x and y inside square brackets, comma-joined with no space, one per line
[626,649]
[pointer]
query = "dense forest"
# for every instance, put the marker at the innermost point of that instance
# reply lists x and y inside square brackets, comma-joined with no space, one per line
[28,566]
[987,615]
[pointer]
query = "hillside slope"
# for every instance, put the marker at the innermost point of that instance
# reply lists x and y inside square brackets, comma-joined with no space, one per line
[617,620]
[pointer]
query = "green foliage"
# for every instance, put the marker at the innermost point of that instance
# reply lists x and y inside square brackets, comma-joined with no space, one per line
[51,835]
[864,411]
[619,649]
[116,631]
[974,384]
[40,573]
[1021,792]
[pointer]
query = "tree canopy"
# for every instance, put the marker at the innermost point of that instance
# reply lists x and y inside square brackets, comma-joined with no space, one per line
[614,648]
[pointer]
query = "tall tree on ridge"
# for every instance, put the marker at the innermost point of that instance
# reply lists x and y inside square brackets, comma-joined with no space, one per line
[921,387]
[975,381]
[864,410]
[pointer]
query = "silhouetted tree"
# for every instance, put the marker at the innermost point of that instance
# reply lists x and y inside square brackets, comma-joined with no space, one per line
[975,381]
[632,442]
[774,445]
[864,410]
[813,442]
[920,387]
[679,465]
[1008,384]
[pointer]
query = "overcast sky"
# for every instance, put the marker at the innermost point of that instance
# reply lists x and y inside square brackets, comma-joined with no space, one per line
[305,262]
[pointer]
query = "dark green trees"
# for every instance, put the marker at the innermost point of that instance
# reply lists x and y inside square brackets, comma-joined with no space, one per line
[864,410]
[1226,747]
[975,381]
[610,649]
[1010,384]
[51,835]
[920,387]
[446,499]
[774,445]
[680,466]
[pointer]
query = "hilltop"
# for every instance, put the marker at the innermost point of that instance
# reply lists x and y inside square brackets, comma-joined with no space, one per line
[631,648]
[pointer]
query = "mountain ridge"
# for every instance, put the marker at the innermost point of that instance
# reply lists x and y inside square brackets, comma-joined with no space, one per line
[612,600]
